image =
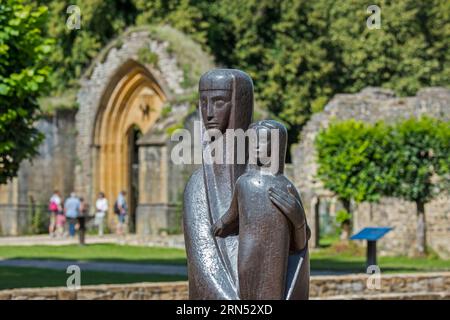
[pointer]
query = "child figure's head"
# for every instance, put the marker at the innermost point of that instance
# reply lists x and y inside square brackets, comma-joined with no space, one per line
[268,141]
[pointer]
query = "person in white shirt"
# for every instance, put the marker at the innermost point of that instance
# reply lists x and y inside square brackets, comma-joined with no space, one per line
[101,206]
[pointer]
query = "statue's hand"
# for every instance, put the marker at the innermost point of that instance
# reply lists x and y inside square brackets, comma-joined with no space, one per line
[289,205]
[218,228]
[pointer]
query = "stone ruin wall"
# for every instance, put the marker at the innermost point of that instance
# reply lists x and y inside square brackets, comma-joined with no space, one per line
[371,105]
[415,286]
[52,168]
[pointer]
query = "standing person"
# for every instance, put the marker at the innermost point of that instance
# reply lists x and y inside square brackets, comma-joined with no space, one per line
[54,207]
[84,211]
[60,224]
[72,210]
[102,207]
[120,209]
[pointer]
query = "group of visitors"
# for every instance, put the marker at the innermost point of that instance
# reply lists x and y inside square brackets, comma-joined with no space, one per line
[74,212]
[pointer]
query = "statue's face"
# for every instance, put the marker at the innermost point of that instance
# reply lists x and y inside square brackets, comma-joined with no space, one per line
[263,146]
[216,107]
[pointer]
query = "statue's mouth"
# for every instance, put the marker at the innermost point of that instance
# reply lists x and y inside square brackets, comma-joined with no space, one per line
[212,125]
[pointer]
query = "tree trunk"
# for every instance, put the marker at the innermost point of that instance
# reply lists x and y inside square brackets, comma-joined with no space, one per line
[421,236]
[345,230]
[346,226]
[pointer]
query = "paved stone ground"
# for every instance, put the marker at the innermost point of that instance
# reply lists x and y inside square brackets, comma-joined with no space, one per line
[175,241]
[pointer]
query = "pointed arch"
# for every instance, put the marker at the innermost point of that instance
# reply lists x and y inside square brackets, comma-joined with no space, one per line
[132,98]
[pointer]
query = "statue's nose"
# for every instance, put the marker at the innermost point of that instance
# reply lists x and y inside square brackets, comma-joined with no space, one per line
[210,113]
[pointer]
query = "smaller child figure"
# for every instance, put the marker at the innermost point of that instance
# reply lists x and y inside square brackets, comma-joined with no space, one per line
[268,230]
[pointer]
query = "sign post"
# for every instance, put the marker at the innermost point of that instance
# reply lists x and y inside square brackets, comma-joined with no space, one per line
[371,234]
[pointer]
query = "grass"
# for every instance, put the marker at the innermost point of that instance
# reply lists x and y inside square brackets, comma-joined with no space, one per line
[24,277]
[328,240]
[97,252]
[337,257]
[352,258]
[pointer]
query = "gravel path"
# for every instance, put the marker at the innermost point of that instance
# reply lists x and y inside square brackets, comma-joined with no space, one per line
[175,241]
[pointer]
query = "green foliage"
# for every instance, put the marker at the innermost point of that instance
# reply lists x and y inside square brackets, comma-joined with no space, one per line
[190,57]
[185,15]
[39,219]
[166,110]
[352,160]
[178,126]
[100,22]
[410,159]
[299,52]
[146,56]
[343,216]
[420,150]
[49,104]
[23,77]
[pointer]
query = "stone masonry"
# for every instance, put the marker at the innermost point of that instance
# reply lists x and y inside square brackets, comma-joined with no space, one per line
[371,105]
[399,286]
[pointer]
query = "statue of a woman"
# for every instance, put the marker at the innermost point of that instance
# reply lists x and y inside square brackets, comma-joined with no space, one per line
[226,102]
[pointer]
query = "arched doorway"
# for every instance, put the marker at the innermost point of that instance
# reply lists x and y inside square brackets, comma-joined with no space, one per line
[129,107]
[133,184]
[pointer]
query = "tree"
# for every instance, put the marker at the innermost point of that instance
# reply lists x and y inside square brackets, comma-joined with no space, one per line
[23,75]
[303,52]
[420,154]
[409,160]
[299,52]
[74,50]
[352,162]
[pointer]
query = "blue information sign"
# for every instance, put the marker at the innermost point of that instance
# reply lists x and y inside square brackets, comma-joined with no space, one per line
[371,233]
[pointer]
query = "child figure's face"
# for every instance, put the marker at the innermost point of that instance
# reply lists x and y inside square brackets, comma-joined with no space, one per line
[263,146]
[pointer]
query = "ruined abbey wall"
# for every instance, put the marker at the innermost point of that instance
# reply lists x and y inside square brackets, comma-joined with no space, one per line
[371,105]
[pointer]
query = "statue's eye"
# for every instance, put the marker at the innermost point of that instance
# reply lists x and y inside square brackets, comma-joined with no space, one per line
[204,103]
[220,103]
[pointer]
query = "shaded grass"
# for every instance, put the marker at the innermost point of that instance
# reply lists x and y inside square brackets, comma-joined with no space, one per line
[348,258]
[25,277]
[97,252]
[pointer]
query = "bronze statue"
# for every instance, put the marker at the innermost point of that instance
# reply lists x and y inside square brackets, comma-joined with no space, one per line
[226,102]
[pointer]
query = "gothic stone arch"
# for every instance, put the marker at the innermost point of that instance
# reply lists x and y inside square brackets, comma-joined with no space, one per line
[119,93]
[132,99]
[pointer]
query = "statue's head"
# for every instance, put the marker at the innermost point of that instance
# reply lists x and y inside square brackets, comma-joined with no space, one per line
[268,144]
[226,99]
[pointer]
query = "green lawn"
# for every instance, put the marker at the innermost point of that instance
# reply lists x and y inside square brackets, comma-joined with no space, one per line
[97,252]
[324,260]
[333,258]
[328,240]
[22,277]
[321,259]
